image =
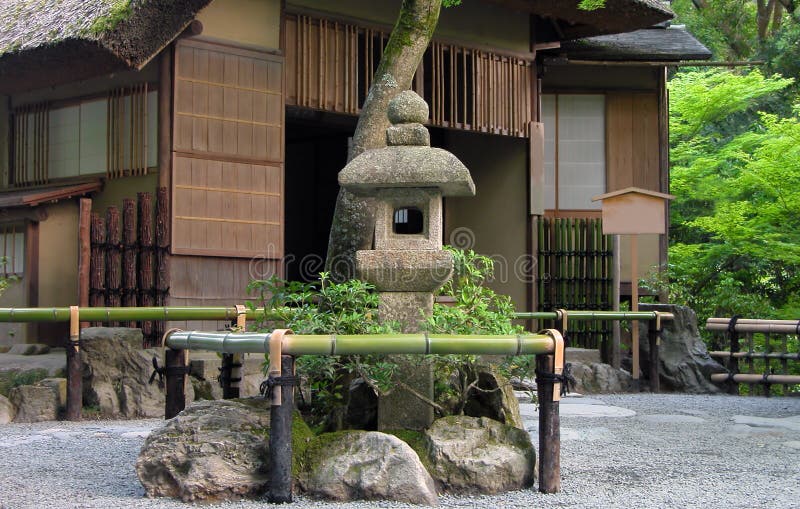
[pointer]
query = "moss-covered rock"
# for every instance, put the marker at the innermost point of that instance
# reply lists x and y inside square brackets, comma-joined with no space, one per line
[365,465]
[479,455]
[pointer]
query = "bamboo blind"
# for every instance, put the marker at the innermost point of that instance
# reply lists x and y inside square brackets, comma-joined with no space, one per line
[330,66]
[30,146]
[126,132]
[12,246]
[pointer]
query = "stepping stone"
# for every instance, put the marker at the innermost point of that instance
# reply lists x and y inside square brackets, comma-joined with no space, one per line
[791,423]
[671,419]
[579,409]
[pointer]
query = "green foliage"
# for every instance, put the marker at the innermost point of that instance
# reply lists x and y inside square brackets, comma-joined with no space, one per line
[11,379]
[734,235]
[591,5]
[727,27]
[327,307]
[478,309]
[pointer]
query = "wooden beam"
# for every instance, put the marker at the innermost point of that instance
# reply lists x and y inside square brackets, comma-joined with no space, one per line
[84,252]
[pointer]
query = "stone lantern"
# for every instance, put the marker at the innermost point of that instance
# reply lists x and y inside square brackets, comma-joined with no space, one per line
[408,179]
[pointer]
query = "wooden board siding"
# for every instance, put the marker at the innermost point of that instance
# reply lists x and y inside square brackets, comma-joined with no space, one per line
[632,141]
[228,137]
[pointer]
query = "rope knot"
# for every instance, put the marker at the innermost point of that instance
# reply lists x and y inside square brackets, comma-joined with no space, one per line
[566,379]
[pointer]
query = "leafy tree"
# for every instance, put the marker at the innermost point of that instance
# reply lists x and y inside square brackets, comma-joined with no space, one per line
[735,241]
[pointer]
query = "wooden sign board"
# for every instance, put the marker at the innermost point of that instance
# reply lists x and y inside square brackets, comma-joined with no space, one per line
[633,210]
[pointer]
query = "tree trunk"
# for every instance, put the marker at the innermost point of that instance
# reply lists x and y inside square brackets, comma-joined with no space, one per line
[354,217]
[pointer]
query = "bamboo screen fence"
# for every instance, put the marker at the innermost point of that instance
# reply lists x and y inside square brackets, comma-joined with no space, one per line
[330,66]
[575,271]
[129,260]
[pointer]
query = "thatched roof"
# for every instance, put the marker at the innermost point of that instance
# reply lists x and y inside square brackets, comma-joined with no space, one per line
[46,42]
[654,44]
[567,21]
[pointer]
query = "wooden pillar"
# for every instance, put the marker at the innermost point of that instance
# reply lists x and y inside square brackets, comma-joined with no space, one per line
[634,308]
[654,339]
[84,252]
[280,436]
[74,367]
[175,370]
[549,429]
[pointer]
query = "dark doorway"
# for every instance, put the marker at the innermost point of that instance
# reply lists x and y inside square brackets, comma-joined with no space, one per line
[316,150]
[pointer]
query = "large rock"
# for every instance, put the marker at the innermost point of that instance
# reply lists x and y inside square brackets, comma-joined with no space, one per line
[479,455]
[366,465]
[684,363]
[213,450]
[598,378]
[7,410]
[116,371]
[34,403]
[494,397]
[29,349]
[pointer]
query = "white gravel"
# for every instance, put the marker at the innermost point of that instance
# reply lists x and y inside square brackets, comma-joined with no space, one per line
[658,457]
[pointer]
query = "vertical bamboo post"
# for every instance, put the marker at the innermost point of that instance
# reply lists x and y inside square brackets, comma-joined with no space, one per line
[175,370]
[654,339]
[74,368]
[145,218]
[231,370]
[97,270]
[162,254]
[129,255]
[280,436]
[113,260]
[635,307]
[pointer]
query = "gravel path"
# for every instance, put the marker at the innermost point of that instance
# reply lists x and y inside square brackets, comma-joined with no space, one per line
[676,451]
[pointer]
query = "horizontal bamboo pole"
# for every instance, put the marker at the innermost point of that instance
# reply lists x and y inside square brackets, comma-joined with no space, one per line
[793,328]
[753,321]
[595,315]
[755,379]
[755,355]
[296,344]
[98,314]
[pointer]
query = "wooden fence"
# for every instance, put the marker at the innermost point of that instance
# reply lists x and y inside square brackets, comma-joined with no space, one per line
[575,271]
[129,260]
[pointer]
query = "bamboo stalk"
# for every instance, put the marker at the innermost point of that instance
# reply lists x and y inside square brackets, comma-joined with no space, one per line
[250,342]
[756,355]
[756,379]
[108,314]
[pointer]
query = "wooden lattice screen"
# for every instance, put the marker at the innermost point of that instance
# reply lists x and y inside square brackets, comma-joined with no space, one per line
[574,271]
[30,147]
[228,152]
[330,66]
[126,131]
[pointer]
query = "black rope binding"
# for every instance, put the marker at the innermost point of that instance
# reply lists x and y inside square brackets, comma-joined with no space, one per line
[274,381]
[162,371]
[566,379]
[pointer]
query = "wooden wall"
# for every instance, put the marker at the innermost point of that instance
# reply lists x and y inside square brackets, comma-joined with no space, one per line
[227,183]
[227,152]
[632,141]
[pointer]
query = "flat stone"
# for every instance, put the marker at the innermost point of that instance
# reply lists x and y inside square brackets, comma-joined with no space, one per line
[792,444]
[578,409]
[59,385]
[671,419]
[407,107]
[29,349]
[791,423]
[393,167]
[581,401]
[404,271]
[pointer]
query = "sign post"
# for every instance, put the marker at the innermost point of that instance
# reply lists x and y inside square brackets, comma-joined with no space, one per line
[634,211]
